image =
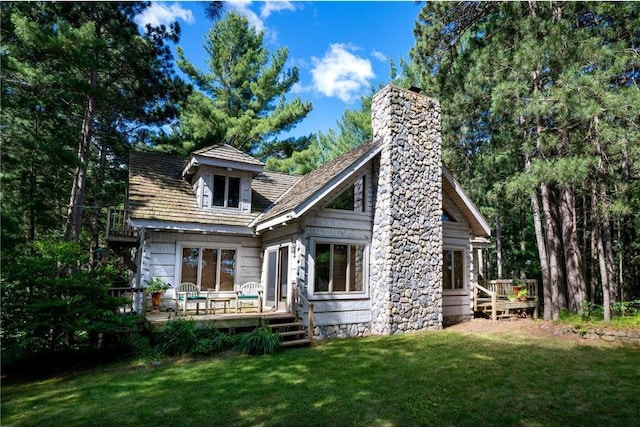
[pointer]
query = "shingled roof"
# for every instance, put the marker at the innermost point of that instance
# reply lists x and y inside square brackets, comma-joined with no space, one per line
[157,192]
[229,153]
[314,182]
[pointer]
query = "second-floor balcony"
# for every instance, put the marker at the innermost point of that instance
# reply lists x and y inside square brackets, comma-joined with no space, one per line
[119,228]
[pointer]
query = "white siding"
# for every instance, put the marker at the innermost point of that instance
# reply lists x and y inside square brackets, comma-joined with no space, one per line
[163,256]
[456,303]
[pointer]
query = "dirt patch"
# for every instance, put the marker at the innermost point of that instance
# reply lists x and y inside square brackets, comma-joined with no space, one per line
[526,326]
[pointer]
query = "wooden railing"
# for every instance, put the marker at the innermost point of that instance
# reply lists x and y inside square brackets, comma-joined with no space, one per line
[504,287]
[494,299]
[127,292]
[299,302]
[118,225]
[492,295]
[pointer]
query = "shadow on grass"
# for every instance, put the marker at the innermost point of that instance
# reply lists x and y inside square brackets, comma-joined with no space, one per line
[436,378]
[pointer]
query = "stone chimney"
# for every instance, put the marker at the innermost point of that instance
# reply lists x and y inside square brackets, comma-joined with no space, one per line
[406,249]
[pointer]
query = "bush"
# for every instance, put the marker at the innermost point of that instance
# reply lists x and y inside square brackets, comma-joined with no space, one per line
[178,337]
[260,341]
[52,303]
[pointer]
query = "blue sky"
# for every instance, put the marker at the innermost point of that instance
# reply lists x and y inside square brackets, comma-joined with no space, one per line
[341,48]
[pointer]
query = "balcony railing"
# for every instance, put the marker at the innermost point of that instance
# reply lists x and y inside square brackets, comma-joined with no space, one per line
[118,225]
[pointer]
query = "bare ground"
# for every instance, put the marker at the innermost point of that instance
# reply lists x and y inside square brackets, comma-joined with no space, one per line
[524,326]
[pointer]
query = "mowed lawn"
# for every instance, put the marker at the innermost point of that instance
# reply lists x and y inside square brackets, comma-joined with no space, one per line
[435,378]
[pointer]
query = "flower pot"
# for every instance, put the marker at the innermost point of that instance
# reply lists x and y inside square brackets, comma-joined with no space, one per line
[155,300]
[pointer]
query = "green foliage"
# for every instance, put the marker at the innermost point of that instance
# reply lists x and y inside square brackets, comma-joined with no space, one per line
[183,336]
[50,51]
[52,303]
[260,341]
[156,284]
[242,97]
[178,336]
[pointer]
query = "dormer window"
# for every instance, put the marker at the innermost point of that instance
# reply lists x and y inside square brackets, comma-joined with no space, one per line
[220,191]
[226,191]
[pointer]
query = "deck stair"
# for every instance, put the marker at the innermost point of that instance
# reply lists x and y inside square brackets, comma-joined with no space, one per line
[292,332]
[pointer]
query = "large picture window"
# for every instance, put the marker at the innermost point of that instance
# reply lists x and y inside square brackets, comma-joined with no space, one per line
[339,268]
[209,268]
[453,269]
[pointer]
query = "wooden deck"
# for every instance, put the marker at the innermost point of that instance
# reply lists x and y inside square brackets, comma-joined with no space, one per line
[154,322]
[490,297]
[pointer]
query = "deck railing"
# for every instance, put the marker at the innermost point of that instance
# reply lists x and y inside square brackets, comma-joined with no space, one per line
[118,225]
[497,292]
[299,302]
[504,287]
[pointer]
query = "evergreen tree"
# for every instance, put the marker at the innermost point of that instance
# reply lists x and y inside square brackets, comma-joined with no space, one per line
[241,98]
[531,88]
[82,84]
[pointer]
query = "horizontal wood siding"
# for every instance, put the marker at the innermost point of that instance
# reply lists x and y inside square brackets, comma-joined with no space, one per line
[329,224]
[457,235]
[341,312]
[162,247]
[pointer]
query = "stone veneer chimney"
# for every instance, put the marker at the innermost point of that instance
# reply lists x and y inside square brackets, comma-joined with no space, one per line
[406,250]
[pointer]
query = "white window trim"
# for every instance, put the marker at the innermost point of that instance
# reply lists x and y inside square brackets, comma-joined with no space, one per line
[465,267]
[201,246]
[312,270]
[203,184]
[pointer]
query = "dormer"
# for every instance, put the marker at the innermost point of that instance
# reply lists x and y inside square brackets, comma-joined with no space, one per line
[221,176]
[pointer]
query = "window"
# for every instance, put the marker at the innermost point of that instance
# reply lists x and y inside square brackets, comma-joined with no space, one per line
[352,199]
[447,217]
[209,268]
[453,269]
[220,191]
[339,268]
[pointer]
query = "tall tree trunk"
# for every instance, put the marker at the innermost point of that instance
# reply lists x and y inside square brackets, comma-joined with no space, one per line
[498,245]
[576,286]
[542,255]
[552,240]
[75,211]
[605,278]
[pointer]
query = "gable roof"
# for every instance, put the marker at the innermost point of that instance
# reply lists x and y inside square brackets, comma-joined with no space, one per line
[158,193]
[317,184]
[479,225]
[224,156]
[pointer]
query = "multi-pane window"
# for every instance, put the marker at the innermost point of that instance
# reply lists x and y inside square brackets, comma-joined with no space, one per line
[209,268]
[453,269]
[220,191]
[339,268]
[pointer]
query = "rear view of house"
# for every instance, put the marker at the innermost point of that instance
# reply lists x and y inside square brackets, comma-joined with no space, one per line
[379,240]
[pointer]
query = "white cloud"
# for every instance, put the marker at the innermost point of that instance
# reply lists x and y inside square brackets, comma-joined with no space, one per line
[244,7]
[164,13]
[275,6]
[379,55]
[340,73]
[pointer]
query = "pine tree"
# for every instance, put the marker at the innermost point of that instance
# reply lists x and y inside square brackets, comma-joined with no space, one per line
[241,99]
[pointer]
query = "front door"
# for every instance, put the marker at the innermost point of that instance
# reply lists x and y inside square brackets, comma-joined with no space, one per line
[277,277]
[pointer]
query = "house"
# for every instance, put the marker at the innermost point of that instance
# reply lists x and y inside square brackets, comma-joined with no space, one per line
[380,240]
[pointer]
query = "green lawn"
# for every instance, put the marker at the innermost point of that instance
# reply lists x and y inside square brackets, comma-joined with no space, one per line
[436,378]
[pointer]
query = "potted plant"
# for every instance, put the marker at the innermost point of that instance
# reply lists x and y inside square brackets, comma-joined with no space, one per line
[156,287]
[522,295]
[515,286]
[512,297]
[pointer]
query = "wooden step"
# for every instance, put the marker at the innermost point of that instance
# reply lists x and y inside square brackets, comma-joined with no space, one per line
[292,333]
[285,325]
[295,343]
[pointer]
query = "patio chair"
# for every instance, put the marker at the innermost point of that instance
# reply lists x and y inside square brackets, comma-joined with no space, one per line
[249,293]
[187,292]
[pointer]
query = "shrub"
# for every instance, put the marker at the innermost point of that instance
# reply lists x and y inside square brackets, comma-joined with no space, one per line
[178,337]
[260,341]
[54,304]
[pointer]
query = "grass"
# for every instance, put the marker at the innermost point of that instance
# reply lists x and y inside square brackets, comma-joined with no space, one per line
[443,378]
